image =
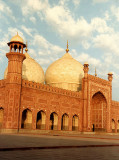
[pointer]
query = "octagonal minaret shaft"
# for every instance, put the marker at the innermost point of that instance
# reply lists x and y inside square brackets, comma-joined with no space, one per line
[13,81]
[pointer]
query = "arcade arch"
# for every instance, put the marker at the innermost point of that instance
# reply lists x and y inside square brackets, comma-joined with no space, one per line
[113,125]
[118,126]
[75,123]
[41,120]
[53,121]
[65,122]
[26,119]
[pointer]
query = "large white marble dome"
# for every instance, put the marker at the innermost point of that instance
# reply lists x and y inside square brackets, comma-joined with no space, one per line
[31,70]
[66,73]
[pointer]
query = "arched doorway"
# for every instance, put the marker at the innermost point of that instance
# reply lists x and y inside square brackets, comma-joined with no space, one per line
[75,123]
[53,121]
[26,119]
[118,126]
[113,125]
[99,108]
[1,116]
[65,122]
[41,120]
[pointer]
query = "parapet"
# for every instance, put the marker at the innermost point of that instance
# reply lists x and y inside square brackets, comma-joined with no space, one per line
[98,80]
[51,89]
[2,83]
[115,103]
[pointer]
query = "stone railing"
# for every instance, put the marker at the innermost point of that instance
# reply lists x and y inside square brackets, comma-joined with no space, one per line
[2,83]
[98,80]
[48,88]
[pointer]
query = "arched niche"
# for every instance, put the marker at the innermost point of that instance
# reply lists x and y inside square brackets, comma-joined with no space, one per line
[41,120]
[65,122]
[26,119]
[99,112]
[75,123]
[53,121]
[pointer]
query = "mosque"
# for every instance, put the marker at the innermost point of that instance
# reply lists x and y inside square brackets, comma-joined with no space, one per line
[65,98]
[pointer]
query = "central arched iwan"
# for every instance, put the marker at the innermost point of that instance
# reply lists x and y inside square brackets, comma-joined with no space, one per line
[98,112]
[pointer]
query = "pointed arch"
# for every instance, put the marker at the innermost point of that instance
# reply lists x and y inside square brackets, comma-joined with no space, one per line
[1,116]
[113,125]
[53,121]
[41,120]
[65,122]
[98,112]
[101,92]
[118,126]
[26,119]
[75,124]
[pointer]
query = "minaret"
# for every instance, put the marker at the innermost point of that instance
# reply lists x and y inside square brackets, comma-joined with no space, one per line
[13,82]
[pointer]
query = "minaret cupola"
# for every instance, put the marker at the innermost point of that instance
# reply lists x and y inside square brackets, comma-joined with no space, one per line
[16,44]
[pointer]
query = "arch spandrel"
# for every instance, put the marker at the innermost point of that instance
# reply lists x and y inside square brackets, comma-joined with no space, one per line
[27,108]
[41,110]
[94,92]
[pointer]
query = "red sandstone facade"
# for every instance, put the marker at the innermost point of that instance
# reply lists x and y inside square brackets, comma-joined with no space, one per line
[25,104]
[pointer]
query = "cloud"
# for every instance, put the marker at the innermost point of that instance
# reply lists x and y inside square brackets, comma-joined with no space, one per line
[33,19]
[84,57]
[86,44]
[107,42]
[63,22]
[59,18]
[34,6]
[13,31]
[66,2]
[76,2]
[46,47]
[100,1]
[6,10]
[115,12]
[100,25]
[27,30]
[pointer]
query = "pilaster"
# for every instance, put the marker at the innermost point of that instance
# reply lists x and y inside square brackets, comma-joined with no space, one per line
[85,96]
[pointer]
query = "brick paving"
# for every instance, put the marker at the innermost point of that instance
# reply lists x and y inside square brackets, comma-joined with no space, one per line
[86,147]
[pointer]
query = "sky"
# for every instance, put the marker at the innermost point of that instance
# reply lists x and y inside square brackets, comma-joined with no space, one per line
[90,26]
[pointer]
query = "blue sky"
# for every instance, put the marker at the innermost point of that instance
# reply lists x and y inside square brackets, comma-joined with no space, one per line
[90,26]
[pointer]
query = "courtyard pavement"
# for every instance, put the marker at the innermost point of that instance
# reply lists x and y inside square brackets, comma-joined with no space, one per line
[65,147]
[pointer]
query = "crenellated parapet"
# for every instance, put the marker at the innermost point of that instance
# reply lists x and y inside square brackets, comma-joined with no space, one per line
[51,89]
[2,83]
[98,80]
[115,103]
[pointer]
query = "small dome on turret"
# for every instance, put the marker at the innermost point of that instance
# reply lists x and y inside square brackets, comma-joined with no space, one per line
[17,38]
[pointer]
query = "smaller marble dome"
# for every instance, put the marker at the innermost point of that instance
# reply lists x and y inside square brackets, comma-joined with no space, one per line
[17,38]
[31,70]
[66,73]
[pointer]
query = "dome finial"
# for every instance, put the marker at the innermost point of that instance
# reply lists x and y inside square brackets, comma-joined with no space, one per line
[67,50]
[26,47]
[95,72]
